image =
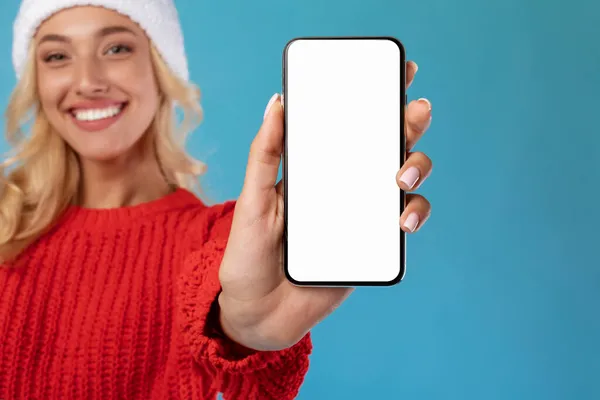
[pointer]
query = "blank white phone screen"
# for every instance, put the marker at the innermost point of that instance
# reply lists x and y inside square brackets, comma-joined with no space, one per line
[344,138]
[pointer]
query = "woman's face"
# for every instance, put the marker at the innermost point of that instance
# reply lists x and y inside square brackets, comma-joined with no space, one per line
[96,81]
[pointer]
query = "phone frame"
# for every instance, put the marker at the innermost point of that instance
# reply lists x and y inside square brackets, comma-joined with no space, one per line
[402,194]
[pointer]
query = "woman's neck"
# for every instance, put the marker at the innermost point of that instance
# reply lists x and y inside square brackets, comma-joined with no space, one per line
[125,182]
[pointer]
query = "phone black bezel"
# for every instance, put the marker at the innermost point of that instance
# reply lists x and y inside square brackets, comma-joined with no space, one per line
[402,149]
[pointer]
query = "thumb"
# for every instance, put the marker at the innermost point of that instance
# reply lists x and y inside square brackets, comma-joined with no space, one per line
[265,151]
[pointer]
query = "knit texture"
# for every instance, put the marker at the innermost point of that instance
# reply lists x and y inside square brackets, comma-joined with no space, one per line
[120,304]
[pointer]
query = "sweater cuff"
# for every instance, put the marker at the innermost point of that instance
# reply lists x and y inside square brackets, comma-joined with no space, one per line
[198,292]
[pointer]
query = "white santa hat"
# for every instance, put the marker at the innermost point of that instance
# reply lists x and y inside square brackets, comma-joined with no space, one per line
[158,18]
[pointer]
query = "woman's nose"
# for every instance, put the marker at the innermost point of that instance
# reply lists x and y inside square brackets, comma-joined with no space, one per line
[90,78]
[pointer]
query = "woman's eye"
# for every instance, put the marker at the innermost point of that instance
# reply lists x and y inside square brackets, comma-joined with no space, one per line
[119,49]
[54,57]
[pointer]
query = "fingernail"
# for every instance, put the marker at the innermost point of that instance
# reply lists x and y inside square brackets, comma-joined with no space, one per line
[270,104]
[410,177]
[416,66]
[411,222]
[426,102]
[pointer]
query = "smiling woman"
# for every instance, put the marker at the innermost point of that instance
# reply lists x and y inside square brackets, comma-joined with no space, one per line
[109,271]
[104,95]
[116,280]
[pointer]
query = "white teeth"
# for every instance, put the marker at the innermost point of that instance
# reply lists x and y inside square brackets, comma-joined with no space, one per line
[97,114]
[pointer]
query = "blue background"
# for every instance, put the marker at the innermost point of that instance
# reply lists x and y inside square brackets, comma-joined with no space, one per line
[502,288]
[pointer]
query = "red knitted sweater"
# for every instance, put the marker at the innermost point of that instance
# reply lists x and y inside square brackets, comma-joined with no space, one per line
[116,304]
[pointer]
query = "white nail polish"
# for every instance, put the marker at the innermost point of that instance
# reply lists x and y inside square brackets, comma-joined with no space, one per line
[411,222]
[427,102]
[410,177]
[270,104]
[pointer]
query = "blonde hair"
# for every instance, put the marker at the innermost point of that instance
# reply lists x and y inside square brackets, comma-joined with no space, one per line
[40,179]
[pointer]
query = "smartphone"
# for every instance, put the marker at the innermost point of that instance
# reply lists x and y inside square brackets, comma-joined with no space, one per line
[344,102]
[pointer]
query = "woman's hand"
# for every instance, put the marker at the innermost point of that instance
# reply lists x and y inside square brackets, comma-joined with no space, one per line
[260,308]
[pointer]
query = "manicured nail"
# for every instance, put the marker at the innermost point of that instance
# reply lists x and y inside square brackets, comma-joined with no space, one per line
[416,66]
[270,104]
[426,102]
[411,222]
[410,177]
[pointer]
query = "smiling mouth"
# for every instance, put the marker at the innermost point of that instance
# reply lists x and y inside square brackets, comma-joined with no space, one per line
[98,114]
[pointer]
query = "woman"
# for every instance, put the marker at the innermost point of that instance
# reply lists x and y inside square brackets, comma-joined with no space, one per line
[117,282]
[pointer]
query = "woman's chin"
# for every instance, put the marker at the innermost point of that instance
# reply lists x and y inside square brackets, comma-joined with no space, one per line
[103,156]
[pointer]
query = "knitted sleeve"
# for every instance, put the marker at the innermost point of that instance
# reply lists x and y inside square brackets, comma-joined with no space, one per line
[248,375]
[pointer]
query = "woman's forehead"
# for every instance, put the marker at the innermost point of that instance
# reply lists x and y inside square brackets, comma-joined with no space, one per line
[86,21]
